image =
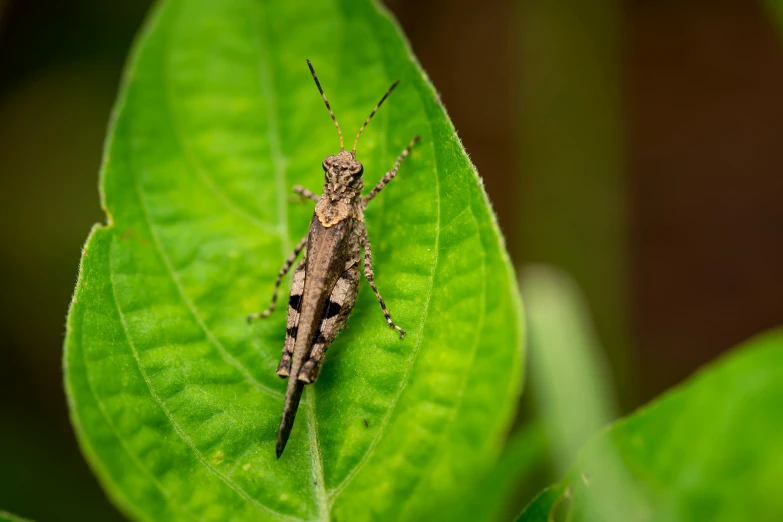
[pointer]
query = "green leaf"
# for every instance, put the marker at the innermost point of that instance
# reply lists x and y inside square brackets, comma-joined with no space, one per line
[707,450]
[775,11]
[544,506]
[5,516]
[173,396]
[569,377]
[496,492]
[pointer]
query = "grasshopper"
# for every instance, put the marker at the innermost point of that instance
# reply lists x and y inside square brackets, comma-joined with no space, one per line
[326,281]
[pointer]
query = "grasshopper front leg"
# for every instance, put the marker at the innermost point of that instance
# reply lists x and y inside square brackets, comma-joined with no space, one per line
[306,193]
[393,172]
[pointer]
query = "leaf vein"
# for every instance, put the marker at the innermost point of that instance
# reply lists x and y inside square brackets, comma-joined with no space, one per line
[461,391]
[180,431]
[178,284]
[101,407]
[196,164]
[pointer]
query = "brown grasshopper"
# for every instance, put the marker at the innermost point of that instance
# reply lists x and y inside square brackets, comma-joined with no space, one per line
[326,281]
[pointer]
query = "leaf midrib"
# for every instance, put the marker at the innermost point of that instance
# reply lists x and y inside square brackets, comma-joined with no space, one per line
[279,161]
[335,492]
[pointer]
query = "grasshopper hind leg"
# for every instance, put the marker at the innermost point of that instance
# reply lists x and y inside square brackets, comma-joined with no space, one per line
[336,313]
[292,320]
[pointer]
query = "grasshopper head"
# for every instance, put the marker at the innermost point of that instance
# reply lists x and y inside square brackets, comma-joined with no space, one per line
[344,169]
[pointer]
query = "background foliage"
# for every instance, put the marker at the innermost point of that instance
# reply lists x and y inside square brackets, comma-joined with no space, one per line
[706,450]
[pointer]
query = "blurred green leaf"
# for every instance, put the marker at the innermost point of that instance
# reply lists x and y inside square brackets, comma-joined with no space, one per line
[775,8]
[572,211]
[569,378]
[544,506]
[5,516]
[496,491]
[707,450]
[173,396]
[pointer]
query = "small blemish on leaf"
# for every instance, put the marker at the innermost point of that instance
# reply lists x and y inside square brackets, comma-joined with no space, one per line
[217,457]
[246,466]
[132,234]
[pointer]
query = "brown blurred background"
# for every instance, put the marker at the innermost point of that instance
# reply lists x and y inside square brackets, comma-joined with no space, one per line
[638,145]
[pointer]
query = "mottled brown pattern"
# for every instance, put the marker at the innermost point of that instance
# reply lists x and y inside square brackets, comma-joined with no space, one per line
[344,296]
[292,321]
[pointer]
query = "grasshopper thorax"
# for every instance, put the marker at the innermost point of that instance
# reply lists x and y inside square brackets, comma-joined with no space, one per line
[343,170]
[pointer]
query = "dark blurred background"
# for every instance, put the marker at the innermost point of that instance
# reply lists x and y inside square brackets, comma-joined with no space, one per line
[638,145]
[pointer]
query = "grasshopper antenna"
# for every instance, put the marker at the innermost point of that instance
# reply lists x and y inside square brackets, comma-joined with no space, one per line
[318,84]
[372,114]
